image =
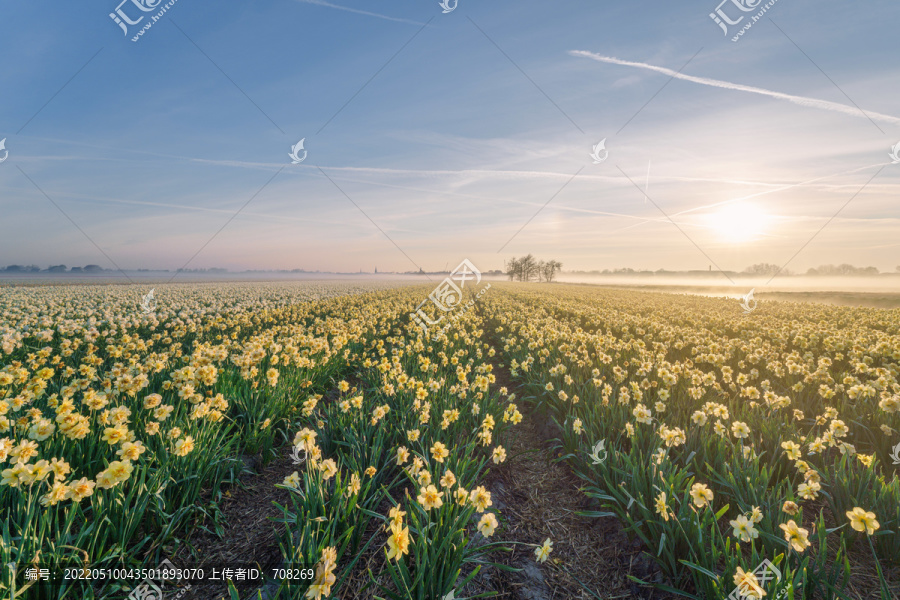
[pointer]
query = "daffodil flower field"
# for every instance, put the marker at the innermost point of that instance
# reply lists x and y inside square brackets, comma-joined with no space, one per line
[718,439]
[113,422]
[724,439]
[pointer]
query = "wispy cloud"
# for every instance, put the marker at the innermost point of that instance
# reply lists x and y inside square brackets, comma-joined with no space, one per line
[359,12]
[95,199]
[799,100]
[473,176]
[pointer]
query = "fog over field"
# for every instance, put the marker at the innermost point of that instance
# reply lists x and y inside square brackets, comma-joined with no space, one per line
[881,291]
[720,285]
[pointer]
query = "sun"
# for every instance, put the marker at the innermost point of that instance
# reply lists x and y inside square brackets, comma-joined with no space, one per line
[739,222]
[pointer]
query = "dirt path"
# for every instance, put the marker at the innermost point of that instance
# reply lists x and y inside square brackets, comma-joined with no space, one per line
[538,498]
[249,534]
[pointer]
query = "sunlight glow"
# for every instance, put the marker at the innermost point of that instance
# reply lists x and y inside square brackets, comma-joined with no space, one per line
[739,223]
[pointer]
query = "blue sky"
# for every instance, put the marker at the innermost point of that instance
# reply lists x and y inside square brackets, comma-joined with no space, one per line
[450,149]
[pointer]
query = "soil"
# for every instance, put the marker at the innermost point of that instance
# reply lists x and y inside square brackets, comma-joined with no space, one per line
[249,534]
[539,497]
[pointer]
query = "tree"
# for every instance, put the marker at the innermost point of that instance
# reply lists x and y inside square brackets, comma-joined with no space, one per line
[549,269]
[521,269]
[765,269]
[844,269]
[512,268]
[528,268]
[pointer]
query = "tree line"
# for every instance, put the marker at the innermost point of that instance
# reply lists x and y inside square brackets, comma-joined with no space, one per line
[51,269]
[839,270]
[528,268]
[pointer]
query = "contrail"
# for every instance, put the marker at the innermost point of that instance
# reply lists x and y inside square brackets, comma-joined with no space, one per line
[799,100]
[359,12]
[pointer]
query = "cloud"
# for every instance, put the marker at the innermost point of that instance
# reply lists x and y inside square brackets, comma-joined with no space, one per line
[799,100]
[359,12]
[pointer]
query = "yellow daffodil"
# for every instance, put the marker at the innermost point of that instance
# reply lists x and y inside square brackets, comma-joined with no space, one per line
[701,494]
[488,524]
[542,552]
[862,520]
[430,497]
[744,529]
[795,535]
[748,585]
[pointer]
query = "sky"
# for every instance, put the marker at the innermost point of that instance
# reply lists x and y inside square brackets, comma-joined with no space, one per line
[431,137]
